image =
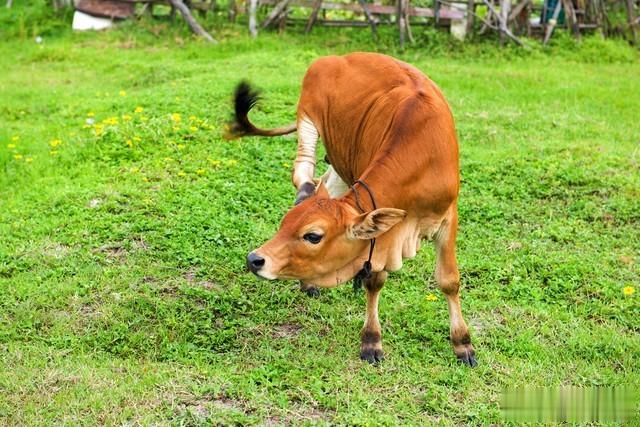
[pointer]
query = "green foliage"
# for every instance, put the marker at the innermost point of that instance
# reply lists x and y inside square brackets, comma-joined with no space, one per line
[31,18]
[125,219]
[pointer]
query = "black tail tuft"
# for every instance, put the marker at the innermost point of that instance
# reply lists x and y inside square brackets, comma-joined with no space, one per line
[244,99]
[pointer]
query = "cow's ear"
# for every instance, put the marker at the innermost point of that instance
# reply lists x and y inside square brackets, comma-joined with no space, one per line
[321,191]
[373,224]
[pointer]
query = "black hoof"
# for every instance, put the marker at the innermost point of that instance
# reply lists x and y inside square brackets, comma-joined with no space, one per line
[311,291]
[468,358]
[372,355]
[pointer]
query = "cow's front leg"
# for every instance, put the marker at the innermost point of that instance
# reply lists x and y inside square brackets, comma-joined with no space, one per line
[371,347]
[448,279]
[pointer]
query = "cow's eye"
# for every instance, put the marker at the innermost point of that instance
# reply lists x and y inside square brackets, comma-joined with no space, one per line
[312,238]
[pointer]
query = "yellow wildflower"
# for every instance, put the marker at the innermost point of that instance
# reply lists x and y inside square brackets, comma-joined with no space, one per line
[192,118]
[11,146]
[232,162]
[176,117]
[168,159]
[193,128]
[286,165]
[180,146]
[215,162]
[28,159]
[134,169]
[137,139]
[110,121]
[145,179]
[55,143]
[86,126]
[17,156]
[200,171]
[182,173]
[122,93]
[144,118]
[139,109]
[15,138]
[129,143]
[628,290]
[431,297]
[126,117]
[176,128]
[90,114]
[53,152]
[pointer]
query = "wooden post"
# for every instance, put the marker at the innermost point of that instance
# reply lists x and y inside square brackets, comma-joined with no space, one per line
[253,23]
[372,23]
[502,28]
[401,23]
[407,21]
[505,6]
[572,19]
[275,13]
[552,23]
[314,15]
[631,18]
[471,5]
[193,24]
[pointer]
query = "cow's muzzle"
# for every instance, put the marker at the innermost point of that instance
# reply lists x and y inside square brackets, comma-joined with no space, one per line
[255,262]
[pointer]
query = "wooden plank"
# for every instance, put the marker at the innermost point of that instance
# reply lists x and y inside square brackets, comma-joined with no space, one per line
[502,28]
[376,9]
[572,20]
[313,16]
[365,9]
[281,6]
[552,23]
[516,10]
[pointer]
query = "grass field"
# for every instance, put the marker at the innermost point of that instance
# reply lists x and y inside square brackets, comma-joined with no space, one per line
[125,219]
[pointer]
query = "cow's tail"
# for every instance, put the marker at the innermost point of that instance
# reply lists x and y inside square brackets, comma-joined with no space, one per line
[243,101]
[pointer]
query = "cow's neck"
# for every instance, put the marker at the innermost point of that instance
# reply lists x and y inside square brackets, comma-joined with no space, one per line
[402,241]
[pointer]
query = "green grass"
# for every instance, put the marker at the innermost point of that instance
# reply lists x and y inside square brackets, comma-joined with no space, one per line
[123,294]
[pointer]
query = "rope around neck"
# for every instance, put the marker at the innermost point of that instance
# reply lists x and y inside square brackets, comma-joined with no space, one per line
[365,271]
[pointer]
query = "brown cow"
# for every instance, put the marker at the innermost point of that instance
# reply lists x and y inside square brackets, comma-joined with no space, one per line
[388,131]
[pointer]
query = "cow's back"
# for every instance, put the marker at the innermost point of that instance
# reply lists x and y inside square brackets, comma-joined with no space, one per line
[372,108]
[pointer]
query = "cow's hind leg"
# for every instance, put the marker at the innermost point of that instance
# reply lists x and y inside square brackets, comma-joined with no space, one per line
[371,347]
[448,279]
[305,165]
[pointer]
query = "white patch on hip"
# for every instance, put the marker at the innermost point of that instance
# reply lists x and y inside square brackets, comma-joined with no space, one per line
[305,164]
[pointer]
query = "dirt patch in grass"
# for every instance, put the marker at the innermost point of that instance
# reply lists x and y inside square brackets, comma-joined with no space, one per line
[286,330]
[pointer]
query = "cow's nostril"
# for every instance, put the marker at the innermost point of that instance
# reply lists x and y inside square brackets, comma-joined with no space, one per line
[254,262]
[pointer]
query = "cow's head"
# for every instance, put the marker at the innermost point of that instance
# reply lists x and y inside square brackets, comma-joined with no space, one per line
[321,241]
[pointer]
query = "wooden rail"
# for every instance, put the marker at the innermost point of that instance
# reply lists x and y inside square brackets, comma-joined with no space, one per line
[376,9]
